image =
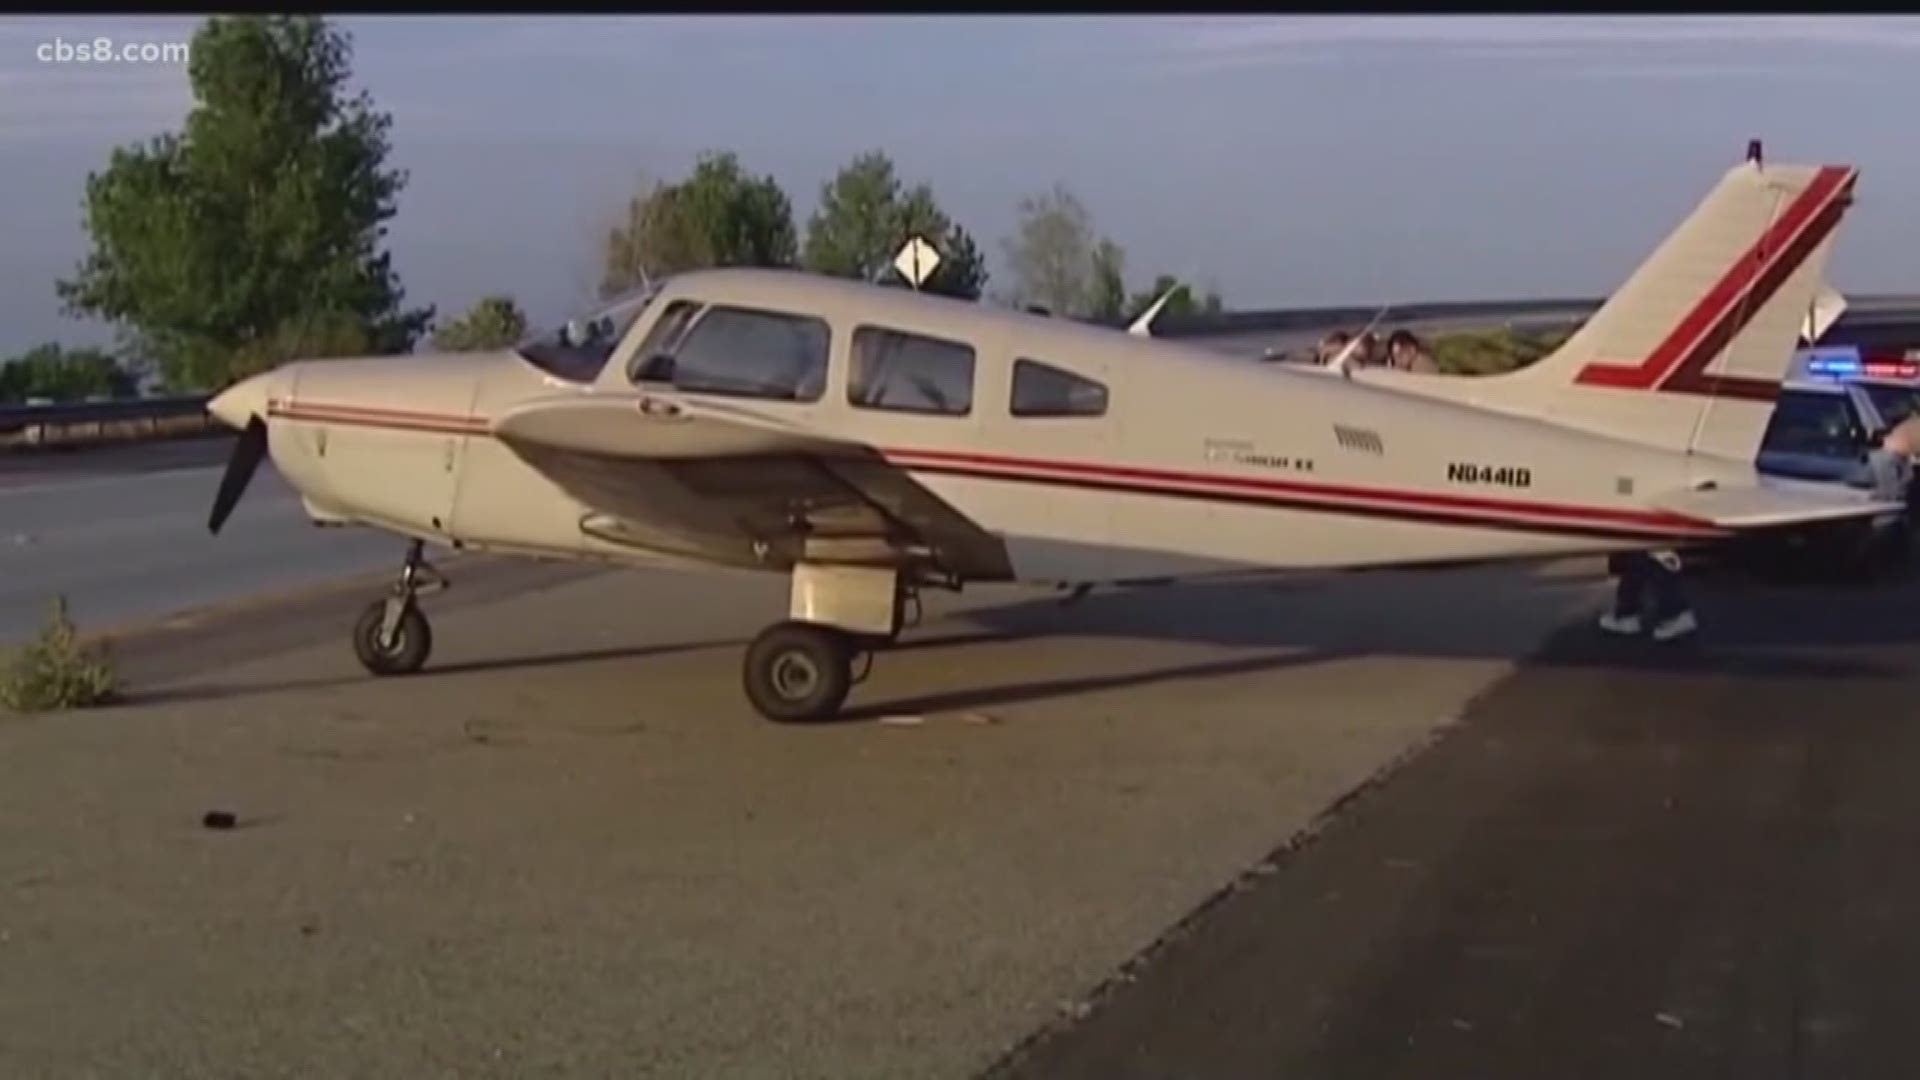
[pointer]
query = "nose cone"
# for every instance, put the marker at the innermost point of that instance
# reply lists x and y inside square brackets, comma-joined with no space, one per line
[242,401]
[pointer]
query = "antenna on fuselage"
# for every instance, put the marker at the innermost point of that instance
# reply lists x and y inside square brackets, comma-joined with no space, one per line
[1342,361]
[1143,326]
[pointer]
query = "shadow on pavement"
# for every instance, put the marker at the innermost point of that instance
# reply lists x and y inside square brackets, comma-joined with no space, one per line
[1750,630]
[217,692]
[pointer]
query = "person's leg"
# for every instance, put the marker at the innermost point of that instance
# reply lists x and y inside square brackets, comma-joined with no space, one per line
[1672,614]
[1624,618]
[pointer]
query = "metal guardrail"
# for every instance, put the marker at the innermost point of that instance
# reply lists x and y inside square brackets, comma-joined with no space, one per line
[1288,320]
[1876,315]
[81,423]
[21,417]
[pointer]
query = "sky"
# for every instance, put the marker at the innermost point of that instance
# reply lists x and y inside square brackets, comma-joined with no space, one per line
[1296,161]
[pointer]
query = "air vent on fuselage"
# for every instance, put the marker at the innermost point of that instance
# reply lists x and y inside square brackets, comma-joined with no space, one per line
[1361,439]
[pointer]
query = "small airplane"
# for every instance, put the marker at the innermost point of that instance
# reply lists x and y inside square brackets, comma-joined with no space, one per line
[875,442]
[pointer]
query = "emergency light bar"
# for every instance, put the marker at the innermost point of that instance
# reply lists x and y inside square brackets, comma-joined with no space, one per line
[1847,363]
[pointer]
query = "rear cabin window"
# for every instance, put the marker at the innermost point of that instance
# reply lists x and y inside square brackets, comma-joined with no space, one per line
[1044,390]
[745,352]
[895,371]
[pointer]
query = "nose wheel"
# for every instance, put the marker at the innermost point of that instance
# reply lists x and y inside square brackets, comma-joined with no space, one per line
[392,636]
[798,672]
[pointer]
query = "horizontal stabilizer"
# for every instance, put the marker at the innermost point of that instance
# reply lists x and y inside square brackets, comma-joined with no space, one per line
[1775,504]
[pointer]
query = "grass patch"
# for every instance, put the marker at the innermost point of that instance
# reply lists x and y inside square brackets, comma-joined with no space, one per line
[54,671]
[1494,351]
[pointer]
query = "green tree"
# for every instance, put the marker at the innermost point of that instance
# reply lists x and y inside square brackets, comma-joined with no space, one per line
[864,218]
[496,322]
[252,236]
[1057,259]
[48,371]
[718,216]
[853,231]
[1109,287]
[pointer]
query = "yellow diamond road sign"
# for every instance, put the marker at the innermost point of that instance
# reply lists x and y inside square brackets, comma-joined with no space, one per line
[916,261]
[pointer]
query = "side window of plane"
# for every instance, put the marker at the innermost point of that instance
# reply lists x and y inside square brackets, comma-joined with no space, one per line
[653,360]
[1044,390]
[901,372]
[748,352]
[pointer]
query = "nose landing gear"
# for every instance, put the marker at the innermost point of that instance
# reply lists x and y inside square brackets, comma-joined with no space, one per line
[392,636]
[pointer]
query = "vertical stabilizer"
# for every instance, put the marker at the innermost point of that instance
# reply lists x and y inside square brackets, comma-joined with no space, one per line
[1690,352]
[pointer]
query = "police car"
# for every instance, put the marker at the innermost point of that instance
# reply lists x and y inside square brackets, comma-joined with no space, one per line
[1826,427]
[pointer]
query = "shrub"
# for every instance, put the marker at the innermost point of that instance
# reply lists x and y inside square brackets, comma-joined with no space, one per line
[1493,351]
[54,671]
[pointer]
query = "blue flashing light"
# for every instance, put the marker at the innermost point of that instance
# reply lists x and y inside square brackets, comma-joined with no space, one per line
[1828,362]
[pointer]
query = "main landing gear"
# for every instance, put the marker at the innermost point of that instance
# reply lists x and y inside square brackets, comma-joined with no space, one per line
[802,668]
[392,636]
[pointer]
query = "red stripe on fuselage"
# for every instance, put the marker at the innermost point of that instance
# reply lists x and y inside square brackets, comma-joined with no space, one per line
[369,416]
[1678,364]
[1423,501]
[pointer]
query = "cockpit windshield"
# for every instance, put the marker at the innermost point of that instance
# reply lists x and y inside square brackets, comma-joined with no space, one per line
[577,349]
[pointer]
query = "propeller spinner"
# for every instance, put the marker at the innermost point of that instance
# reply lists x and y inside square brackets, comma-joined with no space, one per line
[239,406]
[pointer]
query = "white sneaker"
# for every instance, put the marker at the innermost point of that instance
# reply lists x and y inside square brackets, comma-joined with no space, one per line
[1615,623]
[1678,626]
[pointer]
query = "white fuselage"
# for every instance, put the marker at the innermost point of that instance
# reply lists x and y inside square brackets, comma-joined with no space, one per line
[1196,465]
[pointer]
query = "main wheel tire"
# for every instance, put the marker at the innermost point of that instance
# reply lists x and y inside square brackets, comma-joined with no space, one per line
[412,641]
[797,672]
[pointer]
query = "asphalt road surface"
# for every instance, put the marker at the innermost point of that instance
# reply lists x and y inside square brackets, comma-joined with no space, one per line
[122,532]
[569,848]
[1622,863]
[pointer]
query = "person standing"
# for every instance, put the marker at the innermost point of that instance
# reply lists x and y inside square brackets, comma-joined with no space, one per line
[1649,580]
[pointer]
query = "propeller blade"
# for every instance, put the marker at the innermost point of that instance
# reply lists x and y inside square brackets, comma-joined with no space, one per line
[248,449]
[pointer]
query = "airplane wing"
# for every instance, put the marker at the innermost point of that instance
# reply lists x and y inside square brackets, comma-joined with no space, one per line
[726,483]
[1776,505]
